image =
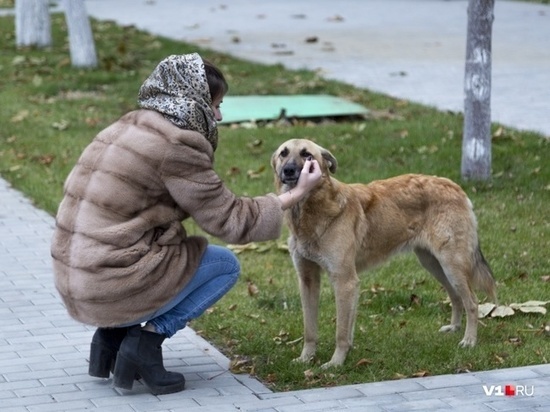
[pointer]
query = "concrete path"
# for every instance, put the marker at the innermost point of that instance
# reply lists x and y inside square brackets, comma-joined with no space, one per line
[43,353]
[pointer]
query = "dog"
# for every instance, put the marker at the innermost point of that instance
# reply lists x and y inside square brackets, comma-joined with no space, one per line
[344,229]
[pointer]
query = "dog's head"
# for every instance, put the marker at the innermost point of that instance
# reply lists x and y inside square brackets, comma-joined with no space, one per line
[288,160]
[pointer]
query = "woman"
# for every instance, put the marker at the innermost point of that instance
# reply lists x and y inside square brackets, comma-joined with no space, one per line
[121,255]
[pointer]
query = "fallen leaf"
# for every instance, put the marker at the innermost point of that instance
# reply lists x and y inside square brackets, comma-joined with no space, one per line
[531,306]
[499,132]
[61,125]
[485,309]
[533,309]
[255,174]
[241,365]
[500,357]
[502,311]
[529,303]
[241,248]
[46,159]
[252,289]
[264,248]
[254,144]
[523,276]
[415,300]
[37,80]
[271,378]
[20,116]
[364,362]
[282,246]
[515,341]
[421,374]
[233,170]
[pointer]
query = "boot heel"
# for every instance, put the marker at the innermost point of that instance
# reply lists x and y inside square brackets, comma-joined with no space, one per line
[125,372]
[101,358]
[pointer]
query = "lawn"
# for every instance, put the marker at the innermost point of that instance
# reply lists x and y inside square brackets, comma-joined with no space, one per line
[49,112]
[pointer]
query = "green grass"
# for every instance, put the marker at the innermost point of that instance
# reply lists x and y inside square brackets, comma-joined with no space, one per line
[49,112]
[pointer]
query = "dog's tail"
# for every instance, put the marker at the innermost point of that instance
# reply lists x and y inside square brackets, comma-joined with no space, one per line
[483,276]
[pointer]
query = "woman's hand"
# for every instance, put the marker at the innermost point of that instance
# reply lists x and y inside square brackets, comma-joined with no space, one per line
[309,178]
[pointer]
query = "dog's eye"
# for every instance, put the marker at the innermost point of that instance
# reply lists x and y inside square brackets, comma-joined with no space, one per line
[284,153]
[305,153]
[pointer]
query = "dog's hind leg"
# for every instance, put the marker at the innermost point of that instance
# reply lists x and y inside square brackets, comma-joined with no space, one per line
[309,277]
[432,265]
[459,269]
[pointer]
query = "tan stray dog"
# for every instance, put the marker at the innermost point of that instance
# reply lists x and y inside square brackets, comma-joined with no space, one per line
[347,228]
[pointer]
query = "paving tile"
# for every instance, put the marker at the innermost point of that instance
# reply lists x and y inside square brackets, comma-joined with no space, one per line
[419,405]
[61,406]
[268,404]
[518,403]
[312,407]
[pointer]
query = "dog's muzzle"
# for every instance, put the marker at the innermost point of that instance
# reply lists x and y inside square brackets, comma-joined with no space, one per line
[290,173]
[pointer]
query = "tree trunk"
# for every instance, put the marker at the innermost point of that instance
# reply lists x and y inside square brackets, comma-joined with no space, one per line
[476,141]
[81,40]
[32,23]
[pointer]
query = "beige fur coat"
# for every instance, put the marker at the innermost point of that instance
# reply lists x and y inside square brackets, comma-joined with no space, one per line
[119,248]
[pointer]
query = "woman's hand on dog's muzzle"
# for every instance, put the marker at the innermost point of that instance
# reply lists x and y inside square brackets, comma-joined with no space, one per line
[310,176]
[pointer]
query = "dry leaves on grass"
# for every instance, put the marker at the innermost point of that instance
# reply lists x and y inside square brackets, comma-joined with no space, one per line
[258,247]
[241,364]
[494,311]
[314,377]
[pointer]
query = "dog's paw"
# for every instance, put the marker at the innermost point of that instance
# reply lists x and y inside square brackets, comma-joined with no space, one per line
[467,342]
[329,365]
[303,359]
[449,328]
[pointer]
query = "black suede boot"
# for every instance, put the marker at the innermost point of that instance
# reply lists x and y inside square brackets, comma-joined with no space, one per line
[103,350]
[141,352]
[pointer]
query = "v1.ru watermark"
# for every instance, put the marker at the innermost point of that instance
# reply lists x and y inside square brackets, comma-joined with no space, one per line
[508,390]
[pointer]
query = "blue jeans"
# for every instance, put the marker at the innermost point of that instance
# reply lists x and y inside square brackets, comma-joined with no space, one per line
[218,271]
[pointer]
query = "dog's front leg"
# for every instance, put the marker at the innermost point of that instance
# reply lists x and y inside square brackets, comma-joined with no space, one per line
[309,276]
[346,292]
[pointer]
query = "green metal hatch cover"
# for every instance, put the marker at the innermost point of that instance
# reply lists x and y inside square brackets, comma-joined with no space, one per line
[237,109]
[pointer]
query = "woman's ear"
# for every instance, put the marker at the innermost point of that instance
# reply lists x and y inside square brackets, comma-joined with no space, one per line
[330,160]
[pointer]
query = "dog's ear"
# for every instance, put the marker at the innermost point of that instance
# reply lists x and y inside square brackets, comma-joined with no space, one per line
[330,159]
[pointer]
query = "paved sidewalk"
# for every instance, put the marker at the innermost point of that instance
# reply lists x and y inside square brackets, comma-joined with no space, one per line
[43,355]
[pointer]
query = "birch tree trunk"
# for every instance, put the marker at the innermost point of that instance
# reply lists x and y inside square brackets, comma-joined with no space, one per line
[32,23]
[476,141]
[81,40]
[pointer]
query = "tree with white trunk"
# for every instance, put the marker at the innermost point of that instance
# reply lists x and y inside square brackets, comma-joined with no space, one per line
[32,23]
[33,28]
[81,40]
[476,140]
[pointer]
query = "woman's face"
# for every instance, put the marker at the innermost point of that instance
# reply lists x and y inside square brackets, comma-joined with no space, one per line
[216,107]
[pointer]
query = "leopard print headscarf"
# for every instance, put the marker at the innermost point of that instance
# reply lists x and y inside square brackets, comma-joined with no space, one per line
[178,89]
